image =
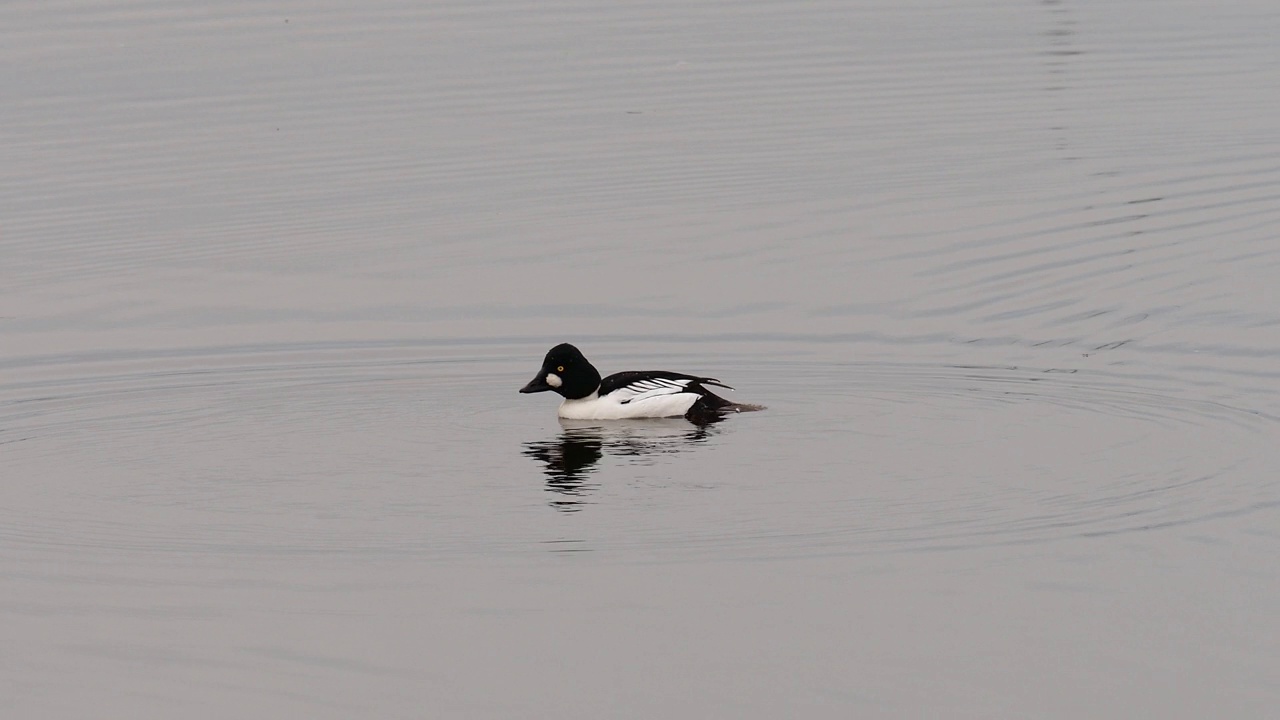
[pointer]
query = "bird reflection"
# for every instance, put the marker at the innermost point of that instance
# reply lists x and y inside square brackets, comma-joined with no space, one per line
[572,457]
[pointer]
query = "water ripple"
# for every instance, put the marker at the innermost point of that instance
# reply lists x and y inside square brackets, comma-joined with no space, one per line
[359,450]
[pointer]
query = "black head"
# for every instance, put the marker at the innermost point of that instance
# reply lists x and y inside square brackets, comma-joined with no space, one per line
[565,371]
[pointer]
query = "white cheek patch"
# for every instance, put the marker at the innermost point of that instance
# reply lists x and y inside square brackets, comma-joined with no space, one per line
[554,380]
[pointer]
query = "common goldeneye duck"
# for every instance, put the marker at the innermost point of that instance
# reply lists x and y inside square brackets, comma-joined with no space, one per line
[624,395]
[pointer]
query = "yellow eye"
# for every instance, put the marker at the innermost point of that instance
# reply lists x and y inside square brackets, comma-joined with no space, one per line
[560,369]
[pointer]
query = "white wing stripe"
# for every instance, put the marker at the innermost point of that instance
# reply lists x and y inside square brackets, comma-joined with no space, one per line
[647,388]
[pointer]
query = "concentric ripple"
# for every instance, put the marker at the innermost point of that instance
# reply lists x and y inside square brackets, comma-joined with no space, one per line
[425,449]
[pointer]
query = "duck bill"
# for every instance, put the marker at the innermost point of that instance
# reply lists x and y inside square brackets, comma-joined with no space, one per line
[536,385]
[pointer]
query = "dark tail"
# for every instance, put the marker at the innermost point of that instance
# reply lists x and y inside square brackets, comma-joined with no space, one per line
[711,407]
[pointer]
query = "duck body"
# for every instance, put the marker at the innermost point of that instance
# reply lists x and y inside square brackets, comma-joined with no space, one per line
[627,395]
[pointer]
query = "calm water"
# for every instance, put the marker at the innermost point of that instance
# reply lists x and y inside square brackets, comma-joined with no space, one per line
[1004,273]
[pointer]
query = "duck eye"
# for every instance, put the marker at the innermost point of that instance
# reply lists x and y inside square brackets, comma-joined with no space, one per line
[560,369]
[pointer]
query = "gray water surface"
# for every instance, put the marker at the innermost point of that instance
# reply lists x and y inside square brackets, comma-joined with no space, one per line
[1004,274]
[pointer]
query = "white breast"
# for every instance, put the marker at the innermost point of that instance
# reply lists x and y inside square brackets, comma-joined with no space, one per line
[610,407]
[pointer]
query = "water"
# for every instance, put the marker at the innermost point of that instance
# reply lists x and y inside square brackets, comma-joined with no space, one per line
[1003,273]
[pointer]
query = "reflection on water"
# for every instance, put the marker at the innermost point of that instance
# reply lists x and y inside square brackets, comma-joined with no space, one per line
[576,453]
[569,459]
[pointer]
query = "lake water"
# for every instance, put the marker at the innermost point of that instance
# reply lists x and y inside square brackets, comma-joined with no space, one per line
[1003,271]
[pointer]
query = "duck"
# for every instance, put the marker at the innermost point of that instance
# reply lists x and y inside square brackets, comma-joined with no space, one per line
[628,395]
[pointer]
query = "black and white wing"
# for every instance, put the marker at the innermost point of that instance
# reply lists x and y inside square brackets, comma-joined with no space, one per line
[628,387]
